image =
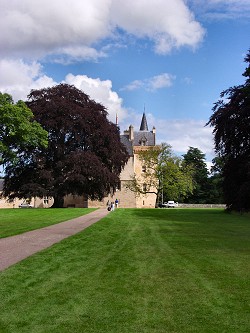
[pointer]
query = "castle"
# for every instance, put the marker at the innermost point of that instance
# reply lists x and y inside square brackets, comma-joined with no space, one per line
[134,141]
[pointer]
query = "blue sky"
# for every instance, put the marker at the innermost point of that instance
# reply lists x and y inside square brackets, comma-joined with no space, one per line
[170,57]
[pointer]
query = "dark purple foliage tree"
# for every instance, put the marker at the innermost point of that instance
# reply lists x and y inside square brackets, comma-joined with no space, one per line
[231,122]
[84,154]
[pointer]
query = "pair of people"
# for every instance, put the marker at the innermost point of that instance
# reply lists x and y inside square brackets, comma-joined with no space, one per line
[113,205]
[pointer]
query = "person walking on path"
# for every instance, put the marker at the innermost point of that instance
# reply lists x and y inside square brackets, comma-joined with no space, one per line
[16,248]
[116,203]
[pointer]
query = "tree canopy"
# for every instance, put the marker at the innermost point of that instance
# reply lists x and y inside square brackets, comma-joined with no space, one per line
[19,133]
[196,160]
[84,154]
[164,174]
[231,122]
[215,180]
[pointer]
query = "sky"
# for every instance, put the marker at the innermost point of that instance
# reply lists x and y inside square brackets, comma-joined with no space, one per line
[168,58]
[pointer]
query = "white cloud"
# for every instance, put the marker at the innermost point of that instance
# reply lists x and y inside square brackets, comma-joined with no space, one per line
[169,24]
[154,83]
[17,78]
[184,133]
[160,81]
[36,29]
[187,80]
[221,9]
[101,92]
[71,54]
[136,84]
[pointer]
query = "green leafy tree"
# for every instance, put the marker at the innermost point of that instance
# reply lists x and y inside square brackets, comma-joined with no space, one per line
[215,181]
[231,123]
[163,174]
[19,133]
[196,160]
[84,154]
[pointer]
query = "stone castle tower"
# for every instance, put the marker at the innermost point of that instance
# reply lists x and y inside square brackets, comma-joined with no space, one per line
[134,141]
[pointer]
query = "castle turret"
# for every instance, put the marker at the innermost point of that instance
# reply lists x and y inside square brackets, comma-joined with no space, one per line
[144,125]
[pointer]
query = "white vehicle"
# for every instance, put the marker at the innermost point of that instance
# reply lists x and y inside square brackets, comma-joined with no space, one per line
[171,204]
[25,205]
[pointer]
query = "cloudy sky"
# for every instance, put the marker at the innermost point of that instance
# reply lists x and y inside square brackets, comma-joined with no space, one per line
[171,58]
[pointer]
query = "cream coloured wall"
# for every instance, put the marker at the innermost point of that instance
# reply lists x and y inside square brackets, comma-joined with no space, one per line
[35,202]
[127,198]
[148,200]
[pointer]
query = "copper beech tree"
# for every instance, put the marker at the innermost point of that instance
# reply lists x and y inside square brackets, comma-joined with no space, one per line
[231,128]
[84,154]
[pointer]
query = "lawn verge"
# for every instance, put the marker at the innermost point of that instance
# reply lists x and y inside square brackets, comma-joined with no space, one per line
[17,221]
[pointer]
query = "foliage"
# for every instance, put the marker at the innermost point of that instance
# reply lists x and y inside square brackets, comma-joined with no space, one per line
[17,221]
[164,173]
[231,122]
[196,159]
[137,270]
[19,133]
[215,193]
[84,154]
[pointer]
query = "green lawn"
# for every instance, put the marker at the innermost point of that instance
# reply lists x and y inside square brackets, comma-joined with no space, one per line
[137,270]
[17,221]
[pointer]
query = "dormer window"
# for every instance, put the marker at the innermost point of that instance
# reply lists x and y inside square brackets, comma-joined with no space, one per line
[143,141]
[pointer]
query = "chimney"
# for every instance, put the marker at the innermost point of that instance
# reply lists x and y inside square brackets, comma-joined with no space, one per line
[154,132]
[131,133]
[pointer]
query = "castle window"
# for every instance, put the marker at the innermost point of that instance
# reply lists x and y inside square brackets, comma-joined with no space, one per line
[118,186]
[143,141]
[143,168]
[45,200]
[144,187]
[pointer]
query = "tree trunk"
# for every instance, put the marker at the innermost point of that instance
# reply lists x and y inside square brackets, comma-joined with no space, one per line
[58,201]
[157,198]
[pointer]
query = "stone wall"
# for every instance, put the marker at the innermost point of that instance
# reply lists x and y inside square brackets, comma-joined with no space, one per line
[182,205]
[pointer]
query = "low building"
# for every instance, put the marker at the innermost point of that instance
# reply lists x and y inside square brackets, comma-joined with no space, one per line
[44,202]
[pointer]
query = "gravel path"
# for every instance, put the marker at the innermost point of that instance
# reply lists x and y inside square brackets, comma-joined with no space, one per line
[16,248]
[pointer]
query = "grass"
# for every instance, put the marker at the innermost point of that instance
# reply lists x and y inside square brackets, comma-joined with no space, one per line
[145,271]
[18,221]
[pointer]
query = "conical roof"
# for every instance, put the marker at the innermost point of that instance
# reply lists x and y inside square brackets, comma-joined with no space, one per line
[144,125]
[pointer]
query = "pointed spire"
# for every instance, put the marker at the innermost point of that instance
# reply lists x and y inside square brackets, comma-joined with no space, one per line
[144,125]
